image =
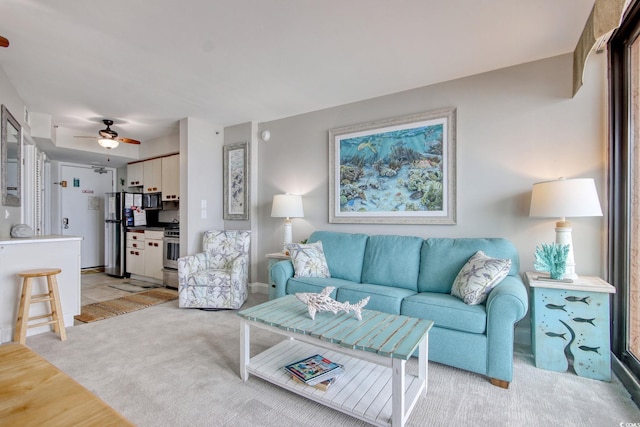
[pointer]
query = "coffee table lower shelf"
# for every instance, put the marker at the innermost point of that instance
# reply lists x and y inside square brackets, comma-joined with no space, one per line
[364,391]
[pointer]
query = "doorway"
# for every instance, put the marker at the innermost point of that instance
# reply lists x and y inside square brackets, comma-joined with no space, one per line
[82,196]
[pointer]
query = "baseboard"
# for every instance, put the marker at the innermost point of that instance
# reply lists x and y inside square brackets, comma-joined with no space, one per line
[259,288]
[627,379]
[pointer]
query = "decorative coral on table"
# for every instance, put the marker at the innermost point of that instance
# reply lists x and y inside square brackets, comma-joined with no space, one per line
[323,302]
[552,258]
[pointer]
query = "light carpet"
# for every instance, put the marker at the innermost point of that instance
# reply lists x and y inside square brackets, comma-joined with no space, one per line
[165,366]
[127,304]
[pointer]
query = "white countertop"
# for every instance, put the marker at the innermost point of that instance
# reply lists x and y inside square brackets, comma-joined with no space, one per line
[8,240]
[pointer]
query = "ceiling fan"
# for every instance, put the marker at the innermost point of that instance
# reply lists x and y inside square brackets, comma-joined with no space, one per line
[109,138]
[4,42]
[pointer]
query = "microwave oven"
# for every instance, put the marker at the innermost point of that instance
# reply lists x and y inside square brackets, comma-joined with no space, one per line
[152,201]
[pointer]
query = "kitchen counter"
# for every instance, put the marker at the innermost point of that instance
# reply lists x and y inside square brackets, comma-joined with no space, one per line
[144,228]
[156,227]
[8,240]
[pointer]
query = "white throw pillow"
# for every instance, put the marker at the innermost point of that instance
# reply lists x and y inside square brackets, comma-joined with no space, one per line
[478,276]
[308,259]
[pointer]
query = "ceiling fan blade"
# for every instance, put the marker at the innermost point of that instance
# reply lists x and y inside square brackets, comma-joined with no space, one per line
[128,140]
[4,42]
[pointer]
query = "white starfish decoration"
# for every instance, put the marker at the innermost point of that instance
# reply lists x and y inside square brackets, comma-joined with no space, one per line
[323,302]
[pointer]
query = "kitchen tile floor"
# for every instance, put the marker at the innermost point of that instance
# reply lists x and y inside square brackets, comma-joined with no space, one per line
[96,287]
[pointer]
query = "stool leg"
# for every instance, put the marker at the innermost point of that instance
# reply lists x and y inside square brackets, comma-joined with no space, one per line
[56,307]
[20,334]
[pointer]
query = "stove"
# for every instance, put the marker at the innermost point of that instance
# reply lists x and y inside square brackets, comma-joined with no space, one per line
[171,253]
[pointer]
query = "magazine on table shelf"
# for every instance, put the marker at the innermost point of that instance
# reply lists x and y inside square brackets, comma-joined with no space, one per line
[315,369]
[323,386]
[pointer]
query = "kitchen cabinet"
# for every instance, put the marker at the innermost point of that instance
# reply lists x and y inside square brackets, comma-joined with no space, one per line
[135,252]
[152,176]
[171,178]
[135,174]
[153,254]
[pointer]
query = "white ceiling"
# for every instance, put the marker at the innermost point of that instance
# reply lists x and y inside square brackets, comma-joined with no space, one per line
[148,64]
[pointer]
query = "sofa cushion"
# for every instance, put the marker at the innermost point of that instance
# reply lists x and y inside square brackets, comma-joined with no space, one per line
[446,311]
[392,261]
[344,253]
[443,258]
[382,298]
[478,276]
[308,260]
[314,284]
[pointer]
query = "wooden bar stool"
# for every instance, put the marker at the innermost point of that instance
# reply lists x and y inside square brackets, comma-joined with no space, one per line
[26,299]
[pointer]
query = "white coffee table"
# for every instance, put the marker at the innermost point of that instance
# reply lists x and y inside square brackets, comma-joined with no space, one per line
[375,387]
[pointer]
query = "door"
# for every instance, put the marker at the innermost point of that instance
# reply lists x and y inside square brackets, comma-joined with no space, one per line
[624,188]
[82,196]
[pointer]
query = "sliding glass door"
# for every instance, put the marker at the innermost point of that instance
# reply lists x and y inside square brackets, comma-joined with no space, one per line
[632,306]
[624,190]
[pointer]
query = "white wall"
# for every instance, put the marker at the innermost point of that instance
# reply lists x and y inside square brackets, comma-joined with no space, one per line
[515,126]
[200,179]
[167,144]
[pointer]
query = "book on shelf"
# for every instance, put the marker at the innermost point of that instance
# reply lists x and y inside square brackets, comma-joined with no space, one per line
[323,386]
[314,369]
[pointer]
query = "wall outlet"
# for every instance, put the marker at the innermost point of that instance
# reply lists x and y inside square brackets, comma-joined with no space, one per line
[204,213]
[203,204]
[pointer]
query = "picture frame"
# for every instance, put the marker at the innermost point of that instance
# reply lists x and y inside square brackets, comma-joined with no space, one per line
[235,181]
[394,171]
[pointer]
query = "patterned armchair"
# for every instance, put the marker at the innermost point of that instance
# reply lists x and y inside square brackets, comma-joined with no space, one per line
[216,277]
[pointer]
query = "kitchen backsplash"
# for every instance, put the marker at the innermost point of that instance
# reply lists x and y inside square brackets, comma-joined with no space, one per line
[169,215]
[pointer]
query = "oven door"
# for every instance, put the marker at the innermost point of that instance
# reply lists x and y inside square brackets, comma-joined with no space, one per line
[171,252]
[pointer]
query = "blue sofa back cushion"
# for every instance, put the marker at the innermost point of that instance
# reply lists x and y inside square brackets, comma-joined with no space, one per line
[442,259]
[344,253]
[392,261]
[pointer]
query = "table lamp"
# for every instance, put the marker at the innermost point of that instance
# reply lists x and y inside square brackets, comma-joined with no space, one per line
[287,206]
[565,198]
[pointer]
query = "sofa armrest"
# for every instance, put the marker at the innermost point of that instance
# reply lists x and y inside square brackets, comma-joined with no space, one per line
[507,303]
[510,291]
[191,264]
[280,273]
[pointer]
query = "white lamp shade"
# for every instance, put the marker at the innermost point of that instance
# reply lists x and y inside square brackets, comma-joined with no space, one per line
[565,198]
[108,142]
[287,206]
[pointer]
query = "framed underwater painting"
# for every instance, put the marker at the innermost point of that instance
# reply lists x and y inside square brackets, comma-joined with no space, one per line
[236,192]
[394,171]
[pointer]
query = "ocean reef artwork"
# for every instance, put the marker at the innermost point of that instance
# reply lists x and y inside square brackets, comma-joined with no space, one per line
[399,170]
[396,171]
[552,258]
[323,302]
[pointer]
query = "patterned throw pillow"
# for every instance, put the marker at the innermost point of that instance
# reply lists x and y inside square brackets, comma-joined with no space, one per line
[478,276]
[308,259]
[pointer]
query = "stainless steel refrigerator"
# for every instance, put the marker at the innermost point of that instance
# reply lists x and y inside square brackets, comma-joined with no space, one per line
[118,217]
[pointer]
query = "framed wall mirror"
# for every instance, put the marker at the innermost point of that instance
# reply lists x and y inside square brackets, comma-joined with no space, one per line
[11,142]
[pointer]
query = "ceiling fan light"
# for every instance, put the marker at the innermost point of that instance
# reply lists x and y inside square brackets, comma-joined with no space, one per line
[108,143]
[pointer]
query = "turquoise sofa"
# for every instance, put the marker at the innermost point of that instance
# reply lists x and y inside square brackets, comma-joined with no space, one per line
[413,276]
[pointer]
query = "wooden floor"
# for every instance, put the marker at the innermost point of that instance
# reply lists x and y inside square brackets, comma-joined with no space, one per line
[34,392]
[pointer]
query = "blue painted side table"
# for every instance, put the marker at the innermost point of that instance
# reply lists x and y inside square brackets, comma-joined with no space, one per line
[570,321]
[273,258]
